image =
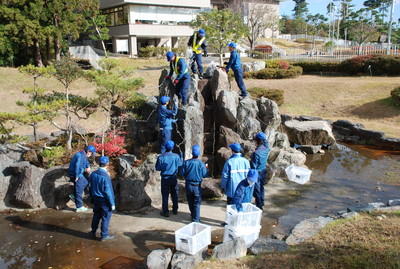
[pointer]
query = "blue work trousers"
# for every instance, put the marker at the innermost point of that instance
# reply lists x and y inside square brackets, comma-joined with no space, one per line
[239,80]
[101,211]
[165,135]
[80,186]
[193,195]
[181,89]
[229,200]
[169,185]
[259,191]
[196,58]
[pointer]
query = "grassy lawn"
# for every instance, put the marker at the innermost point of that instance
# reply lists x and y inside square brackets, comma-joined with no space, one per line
[363,100]
[367,241]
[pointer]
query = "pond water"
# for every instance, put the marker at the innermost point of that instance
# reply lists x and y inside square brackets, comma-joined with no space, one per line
[350,177]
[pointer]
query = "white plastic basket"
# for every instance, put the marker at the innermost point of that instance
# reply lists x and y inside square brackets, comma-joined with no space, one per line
[298,174]
[193,237]
[250,217]
[249,235]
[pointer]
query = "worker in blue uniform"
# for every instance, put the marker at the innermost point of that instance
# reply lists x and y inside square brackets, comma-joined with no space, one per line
[165,120]
[244,191]
[259,162]
[194,170]
[197,42]
[235,169]
[168,164]
[77,167]
[102,194]
[182,80]
[234,63]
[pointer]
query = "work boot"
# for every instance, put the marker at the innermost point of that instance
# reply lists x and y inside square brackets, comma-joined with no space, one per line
[92,235]
[108,237]
[175,212]
[164,214]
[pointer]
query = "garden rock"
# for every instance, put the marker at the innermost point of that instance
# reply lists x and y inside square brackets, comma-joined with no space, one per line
[210,70]
[281,140]
[393,202]
[223,154]
[229,250]
[211,188]
[5,176]
[227,136]
[349,215]
[309,132]
[219,82]
[248,128]
[55,188]
[125,165]
[279,159]
[182,260]
[248,125]
[257,66]
[24,189]
[264,244]
[306,229]
[226,105]
[310,149]
[14,151]
[268,114]
[158,259]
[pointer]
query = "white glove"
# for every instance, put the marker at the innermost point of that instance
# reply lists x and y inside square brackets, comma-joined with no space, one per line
[240,213]
[113,207]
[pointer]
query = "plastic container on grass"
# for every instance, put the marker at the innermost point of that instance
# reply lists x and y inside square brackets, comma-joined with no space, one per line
[249,234]
[192,237]
[298,174]
[250,217]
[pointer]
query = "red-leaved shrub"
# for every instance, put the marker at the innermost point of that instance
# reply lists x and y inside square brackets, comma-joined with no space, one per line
[113,146]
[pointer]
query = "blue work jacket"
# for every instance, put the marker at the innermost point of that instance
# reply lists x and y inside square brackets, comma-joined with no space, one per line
[234,61]
[181,66]
[168,163]
[166,116]
[78,164]
[235,170]
[243,194]
[194,170]
[100,186]
[259,157]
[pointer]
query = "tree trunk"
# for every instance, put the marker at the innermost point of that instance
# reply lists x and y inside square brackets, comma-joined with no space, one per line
[68,116]
[38,56]
[56,40]
[48,58]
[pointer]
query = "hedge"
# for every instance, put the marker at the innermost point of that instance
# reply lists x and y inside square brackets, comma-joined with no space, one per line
[271,73]
[396,95]
[272,94]
[317,67]
[380,65]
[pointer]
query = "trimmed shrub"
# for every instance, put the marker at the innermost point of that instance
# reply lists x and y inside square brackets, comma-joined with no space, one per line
[396,95]
[317,67]
[380,65]
[146,52]
[266,73]
[276,64]
[272,94]
[270,73]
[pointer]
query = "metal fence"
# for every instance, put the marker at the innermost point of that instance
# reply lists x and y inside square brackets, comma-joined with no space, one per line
[325,54]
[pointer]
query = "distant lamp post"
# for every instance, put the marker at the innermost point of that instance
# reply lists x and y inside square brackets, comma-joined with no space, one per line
[390,28]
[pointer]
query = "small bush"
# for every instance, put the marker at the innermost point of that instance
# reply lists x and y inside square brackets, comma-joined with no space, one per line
[114,145]
[283,65]
[270,73]
[146,52]
[396,95]
[273,94]
[53,156]
[272,63]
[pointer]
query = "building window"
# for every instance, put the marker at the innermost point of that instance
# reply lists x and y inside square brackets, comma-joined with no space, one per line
[116,16]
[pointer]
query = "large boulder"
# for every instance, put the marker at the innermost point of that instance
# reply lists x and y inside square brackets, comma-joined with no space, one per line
[166,87]
[248,125]
[281,140]
[190,128]
[125,165]
[229,250]
[210,70]
[55,188]
[223,154]
[309,132]
[5,176]
[306,229]
[227,136]
[219,82]
[182,260]
[24,189]
[257,66]
[268,114]
[14,151]
[158,259]
[248,128]
[227,103]
[279,159]
[211,188]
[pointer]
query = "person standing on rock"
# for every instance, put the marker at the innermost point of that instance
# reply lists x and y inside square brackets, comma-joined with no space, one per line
[259,162]
[182,80]
[165,120]
[102,194]
[77,167]
[234,171]
[168,164]
[197,42]
[194,170]
[244,191]
[234,63]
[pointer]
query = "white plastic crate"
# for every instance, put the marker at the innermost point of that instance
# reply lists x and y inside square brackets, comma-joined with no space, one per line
[248,234]
[298,174]
[193,237]
[250,217]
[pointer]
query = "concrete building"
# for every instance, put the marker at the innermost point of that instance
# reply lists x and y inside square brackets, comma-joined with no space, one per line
[134,24]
